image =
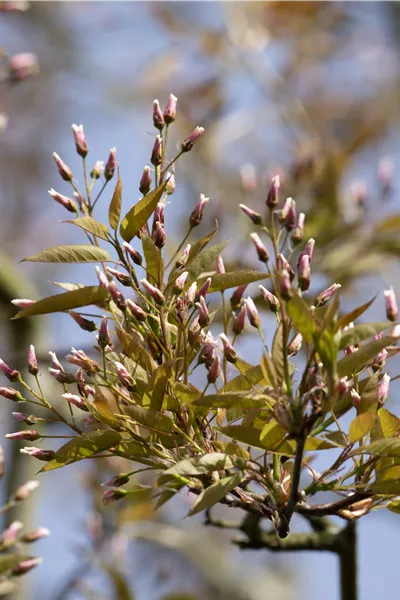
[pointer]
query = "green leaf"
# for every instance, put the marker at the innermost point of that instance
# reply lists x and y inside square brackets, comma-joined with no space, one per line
[390,487]
[114,212]
[358,360]
[231,449]
[119,582]
[301,315]
[314,444]
[233,400]
[83,446]
[394,506]
[140,213]
[158,384]
[151,419]
[70,287]
[198,246]
[186,393]
[78,253]
[91,225]
[224,281]
[152,257]
[253,376]
[390,424]
[390,448]
[215,493]
[66,301]
[206,463]
[369,396]
[389,225]
[361,426]
[272,435]
[268,370]
[101,410]
[277,355]
[251,436]
[10,560]
[359,333]
[134,348]
[353,315]
[204,261]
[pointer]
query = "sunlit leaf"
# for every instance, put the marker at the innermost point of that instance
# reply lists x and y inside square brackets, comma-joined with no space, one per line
[353,315]
[231,449]
[101,410]
[83,446]
[186,393]
[158,384]
[233,400]
[362,332]
[272,435]
[358,360]
[91,226]
[216,492]
[152,257]
[390,487]
[135,349]
[77,253]
[369,395]
[198,246]
[314,444]
[253,376]
[114,212]
[277,355]
[10,560]
[68,300]
[361,426]
[268,370]
[302,318]
[390,424]
[224,281]
[394,506]
[204,261]
[140,213]
[152,419]
[70,287]
[390,447]
[198,465]
[251,436]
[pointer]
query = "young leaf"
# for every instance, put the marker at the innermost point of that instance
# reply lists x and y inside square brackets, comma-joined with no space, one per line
[369,395]
[150,418]
[277,355]
[91,225]
[390,487]
[224,281]
[358,360]
[198,246]
[231,449]
[11,560]
[66,301]
[114,212]
[158,384]
[216,492]
[101,410]
[186,392]
[251,436]
[361,426]
[70,287]
[353,315]
[204,261]
[206,463]
[390,424]
[268,370]
[152,257]
[252,375]
[82,446]
[78,253]
[301,315]
[233,400]
[140,213]
[272,435]
[314,444]
[359,333]
[390,447]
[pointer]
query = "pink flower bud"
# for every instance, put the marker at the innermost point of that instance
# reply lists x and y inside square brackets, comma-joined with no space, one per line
[204,317]
[134,254]
[184,257]
[214,370]
[380,360]
[22,302]
[158,118]
[171,183]
[203,291]
[158,216]
[220,267]
[104,338]
[197,214]
[11,394]
[29,435]
[343,386]
[11,374]
[355,398]
[145,182]
[254,216]
[81,201]
[117,296]
[391,304]
[159,237]
[308,250]
[180,282]
[298,233]
[103,281]
[295,345]
[97,170]
[252,313]
[111,164]
[25,490]
[76,401]
[170,110]
[262,252]
[157,152]
[22,418]
[285,266]
[79,358]
[80,140]
[273,193]
[238,295]
[123,278]
[136,311]
[229,351]
[383,389]
[34,536]
[192,139]
[25,566]
[83,323]
[117,480]
[304,273]
[55,363]
[285,286]
[154,292]
[395,331]
[326,295]
[191,293]
[385,174]
[248,179]
[270,299]
[64,201]
[11,534]
[63,169]
[288,214]
[207,352]
[239,321]
[113,494]
[194,331]
[38,453]
[22,66]
[124,376]
[33,368]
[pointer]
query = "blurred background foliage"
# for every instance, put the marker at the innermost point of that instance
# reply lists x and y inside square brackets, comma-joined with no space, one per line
[309,90]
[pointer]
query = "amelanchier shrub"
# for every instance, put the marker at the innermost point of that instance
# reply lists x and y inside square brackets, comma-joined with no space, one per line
[245,437]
